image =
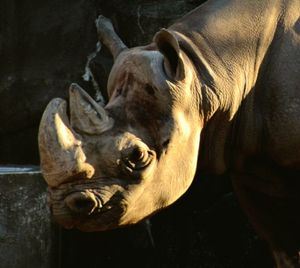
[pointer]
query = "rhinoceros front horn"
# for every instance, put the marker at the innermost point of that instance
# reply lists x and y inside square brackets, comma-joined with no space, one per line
[61,154]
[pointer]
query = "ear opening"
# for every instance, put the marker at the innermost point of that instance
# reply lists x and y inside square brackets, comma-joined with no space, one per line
[168,45]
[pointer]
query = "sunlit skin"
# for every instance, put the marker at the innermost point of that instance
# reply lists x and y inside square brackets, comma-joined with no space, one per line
[220,87]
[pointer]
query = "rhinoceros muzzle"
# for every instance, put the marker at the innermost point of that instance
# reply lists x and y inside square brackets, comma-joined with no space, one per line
[81,202]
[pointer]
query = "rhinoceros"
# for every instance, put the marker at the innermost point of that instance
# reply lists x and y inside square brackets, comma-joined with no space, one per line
[220,87]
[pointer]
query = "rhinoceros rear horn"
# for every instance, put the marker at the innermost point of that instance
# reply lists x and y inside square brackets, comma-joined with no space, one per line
[168,45]
[86,115]
[61,155]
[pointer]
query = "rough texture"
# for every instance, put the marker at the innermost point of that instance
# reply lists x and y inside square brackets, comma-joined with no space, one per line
[27,237]
[216,92]
[43,48]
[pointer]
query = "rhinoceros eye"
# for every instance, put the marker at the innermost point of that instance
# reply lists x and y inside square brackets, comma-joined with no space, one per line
[138,154]
[138,158]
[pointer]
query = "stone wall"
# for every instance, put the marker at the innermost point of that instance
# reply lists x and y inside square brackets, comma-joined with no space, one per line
[204,229]
[28,239]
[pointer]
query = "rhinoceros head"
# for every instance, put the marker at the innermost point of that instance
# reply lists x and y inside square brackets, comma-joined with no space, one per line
[115,165]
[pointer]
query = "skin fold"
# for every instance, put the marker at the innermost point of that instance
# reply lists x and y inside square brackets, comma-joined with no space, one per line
[219,87]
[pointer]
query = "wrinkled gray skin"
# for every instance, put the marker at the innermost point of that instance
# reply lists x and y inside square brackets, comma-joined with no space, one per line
[223,85]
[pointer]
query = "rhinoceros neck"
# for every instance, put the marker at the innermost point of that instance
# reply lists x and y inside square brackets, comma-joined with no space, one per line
[228,43]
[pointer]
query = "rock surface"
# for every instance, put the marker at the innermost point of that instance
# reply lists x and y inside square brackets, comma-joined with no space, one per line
[27,236]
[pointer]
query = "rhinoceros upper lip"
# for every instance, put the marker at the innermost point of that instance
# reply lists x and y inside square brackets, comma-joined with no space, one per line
[103,191]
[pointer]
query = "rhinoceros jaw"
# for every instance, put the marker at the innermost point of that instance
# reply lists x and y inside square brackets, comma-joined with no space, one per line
[61,154]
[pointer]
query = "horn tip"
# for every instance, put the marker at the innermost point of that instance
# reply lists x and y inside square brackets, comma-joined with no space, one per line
[74,86]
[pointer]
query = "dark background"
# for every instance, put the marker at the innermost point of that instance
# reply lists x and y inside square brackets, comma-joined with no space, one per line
[43,48]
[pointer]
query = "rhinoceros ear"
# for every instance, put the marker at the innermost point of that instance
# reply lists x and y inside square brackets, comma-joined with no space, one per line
[168,45]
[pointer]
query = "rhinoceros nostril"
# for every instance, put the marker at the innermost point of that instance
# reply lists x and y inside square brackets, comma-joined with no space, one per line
[81,202]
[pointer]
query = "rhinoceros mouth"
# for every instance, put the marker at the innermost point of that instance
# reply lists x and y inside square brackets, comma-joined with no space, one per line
[88,205]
